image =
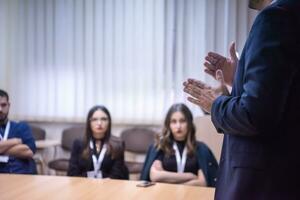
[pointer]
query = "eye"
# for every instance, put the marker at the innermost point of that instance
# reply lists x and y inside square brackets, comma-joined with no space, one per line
[173,121]
[182,120]
[104,119]
[3,105]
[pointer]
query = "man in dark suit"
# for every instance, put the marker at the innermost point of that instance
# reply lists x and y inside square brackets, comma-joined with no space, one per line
[260,117]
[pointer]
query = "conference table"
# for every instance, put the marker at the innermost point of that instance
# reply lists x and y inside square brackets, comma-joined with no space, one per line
[25,187]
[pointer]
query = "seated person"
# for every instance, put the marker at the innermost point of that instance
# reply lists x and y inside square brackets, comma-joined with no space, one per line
[177,157]
[98,155]
[17,145]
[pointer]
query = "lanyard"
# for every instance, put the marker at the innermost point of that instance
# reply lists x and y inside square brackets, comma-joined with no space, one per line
[98,162]
[4,159]
[5,132]
[180,160]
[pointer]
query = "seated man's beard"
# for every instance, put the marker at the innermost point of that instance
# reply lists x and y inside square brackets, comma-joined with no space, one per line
[3,118]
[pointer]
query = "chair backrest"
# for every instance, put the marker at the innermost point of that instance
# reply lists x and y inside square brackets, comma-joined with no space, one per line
[38,133]
[117,141]
[71,134]
[206,132]
[137,139]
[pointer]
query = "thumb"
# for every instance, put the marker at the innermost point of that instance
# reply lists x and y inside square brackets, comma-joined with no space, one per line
[232,50]
[220,77]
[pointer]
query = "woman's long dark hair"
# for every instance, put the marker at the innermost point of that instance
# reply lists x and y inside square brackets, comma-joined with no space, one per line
[165,141]
[89,133]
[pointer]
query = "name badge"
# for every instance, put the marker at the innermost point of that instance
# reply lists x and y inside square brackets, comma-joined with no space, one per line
[94,175]
[4,159]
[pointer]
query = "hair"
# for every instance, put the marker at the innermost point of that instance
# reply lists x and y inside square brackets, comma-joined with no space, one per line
[164,142]
[4,94]
[89,133]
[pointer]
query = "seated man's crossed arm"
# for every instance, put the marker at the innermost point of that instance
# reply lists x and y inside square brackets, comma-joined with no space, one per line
[15,147]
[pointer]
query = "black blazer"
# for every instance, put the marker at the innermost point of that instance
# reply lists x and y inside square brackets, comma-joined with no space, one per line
[260,119]
[112,167]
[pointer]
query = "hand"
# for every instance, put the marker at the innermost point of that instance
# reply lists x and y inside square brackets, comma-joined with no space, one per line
[192,176]
[16,140]
[204,95]
[228,66]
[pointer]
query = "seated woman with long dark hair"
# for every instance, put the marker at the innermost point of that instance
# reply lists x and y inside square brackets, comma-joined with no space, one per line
[98,155]
[177,157]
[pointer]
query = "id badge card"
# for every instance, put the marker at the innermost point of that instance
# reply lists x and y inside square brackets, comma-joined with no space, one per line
[93,174]
[4,159]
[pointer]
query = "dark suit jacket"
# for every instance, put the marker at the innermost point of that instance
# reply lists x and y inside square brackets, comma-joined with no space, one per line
[205,158]
[112,166]
[260,119]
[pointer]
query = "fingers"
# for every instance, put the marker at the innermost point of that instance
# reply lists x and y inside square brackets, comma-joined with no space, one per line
[208,65]
[232,51]
[199,92]
[193,91]
[199,102]
[214,61]
[196,83]
[214,56]
[194,101]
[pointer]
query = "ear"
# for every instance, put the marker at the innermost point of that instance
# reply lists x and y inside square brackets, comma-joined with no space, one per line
[8,105]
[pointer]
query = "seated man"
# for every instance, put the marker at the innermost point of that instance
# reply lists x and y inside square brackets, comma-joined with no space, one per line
[17,144]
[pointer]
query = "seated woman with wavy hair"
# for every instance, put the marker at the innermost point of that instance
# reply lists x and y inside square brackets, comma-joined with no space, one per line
[98,155]
[177,157]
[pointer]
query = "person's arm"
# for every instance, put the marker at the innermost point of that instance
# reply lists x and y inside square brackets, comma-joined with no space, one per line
[75,163]
[200,181]
[26,148]
[7,144]
[20,151]
[119,169]
[158,174]
[74,169]
[270,70]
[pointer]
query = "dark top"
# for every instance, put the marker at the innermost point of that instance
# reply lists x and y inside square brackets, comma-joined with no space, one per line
[260,119]
[111,167]
[17,165]
[169,162]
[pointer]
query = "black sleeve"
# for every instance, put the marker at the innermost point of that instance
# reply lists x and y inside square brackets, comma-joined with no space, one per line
[270,68]
[160,156]
[207,163]
[119,169]
[74,163]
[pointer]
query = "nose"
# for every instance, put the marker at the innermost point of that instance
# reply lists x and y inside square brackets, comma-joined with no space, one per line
[178,125]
